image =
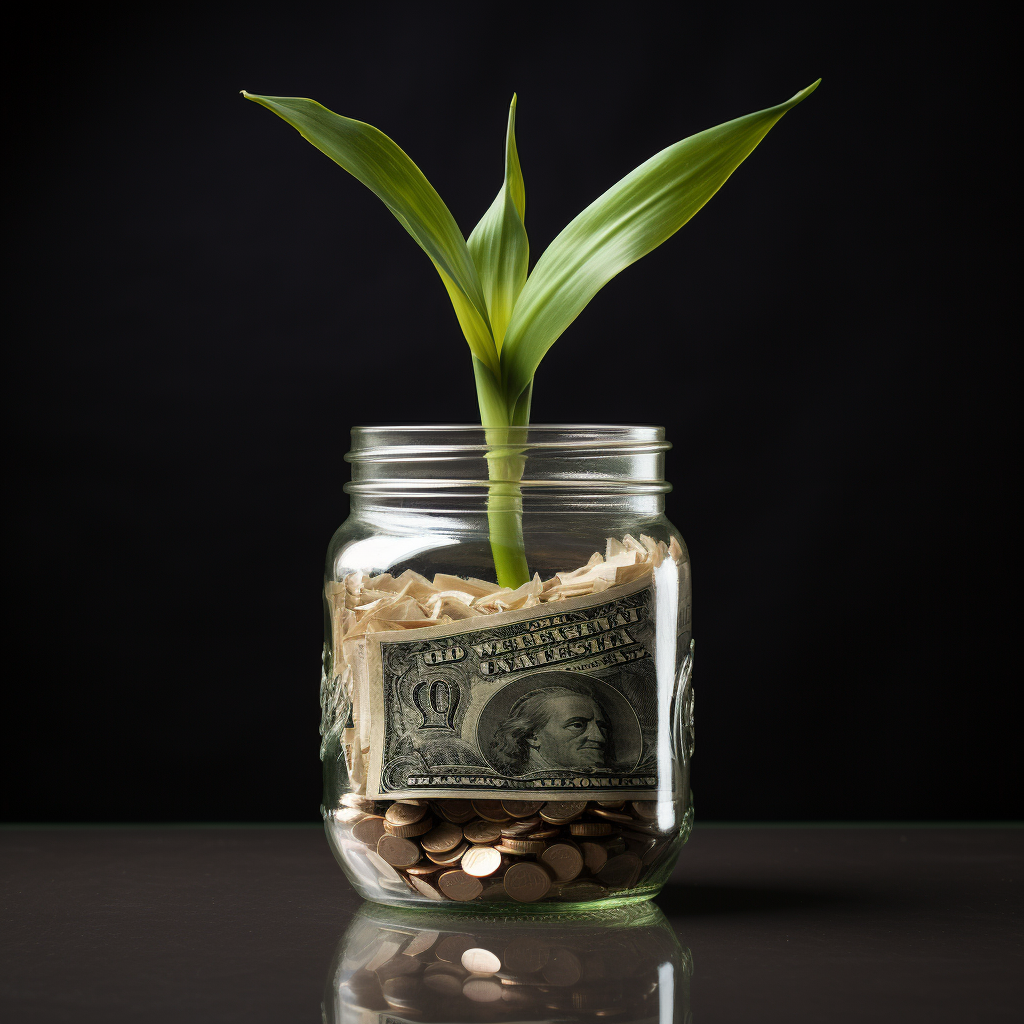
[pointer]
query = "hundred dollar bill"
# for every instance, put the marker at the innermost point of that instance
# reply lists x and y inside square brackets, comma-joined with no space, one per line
[527,703]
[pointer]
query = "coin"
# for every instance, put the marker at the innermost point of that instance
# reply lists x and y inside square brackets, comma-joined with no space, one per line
[483,831]
[397,966]
[595,856]
[653,855]
[582,890]
[424,869]
[646,809]
[451,947]
[369,830]
[611,805]
[490,810]
[522,808]
[564,968]
[527,882]
[565,861]
[398,852]
[559,812]
[612,815]
[456,811]
[449,858]
[384,869]
[481,861]
[404,814]
[458,885]
[481,990]
[523,957]
[520,828]
[621,871]
[402,992]
[425,888]
[547,833]
[444,984]
[442,838]
[480,961]
[421,942]
[523,846]
[591,828]
[416,828]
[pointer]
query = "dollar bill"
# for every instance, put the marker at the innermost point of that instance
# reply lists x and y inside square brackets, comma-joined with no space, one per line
[554,700]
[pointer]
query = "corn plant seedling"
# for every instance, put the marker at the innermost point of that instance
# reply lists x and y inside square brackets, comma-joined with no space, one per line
[511,316]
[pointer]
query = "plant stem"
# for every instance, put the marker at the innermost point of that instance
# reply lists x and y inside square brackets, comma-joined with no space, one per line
[505,465]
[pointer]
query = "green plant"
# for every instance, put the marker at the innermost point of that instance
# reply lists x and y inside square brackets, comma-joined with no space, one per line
[510,317]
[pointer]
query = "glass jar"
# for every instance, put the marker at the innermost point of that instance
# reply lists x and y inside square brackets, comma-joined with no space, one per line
[526,745]
[624,963]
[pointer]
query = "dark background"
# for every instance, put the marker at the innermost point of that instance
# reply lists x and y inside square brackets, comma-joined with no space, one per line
[204,305]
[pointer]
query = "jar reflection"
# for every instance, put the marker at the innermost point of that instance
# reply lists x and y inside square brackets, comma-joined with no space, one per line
[625,964]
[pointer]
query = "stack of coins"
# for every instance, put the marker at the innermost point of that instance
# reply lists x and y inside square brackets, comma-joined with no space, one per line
[509,971]
[517,851]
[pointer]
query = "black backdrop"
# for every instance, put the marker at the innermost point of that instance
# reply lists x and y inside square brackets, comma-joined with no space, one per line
[205,305]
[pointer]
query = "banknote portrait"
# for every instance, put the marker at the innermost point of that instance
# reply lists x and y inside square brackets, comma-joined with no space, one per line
[558,720]
[555,700]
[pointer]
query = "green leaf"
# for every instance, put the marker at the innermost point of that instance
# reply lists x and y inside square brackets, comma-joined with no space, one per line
[627,222]
[498,245]
[385,169]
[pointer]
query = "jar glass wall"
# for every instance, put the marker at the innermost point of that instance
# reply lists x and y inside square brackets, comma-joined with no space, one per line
[488,746]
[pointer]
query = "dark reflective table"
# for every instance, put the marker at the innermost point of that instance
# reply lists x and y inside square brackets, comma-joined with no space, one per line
[759,923]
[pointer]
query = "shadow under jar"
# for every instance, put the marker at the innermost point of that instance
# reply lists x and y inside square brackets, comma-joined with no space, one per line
[489,746]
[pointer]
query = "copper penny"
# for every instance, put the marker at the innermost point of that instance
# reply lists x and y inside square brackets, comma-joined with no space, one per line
[483,831]
[548,833]
[480,961]
[611,805]
[402,992]
[527,882]
[621,871]
[591,828]
[595,856]
[424,869]
[521,828]
[451,857]
[458,885]
[442,838]
[523,957]
[455,811]
[425,888]
[481,861]
[564,860]
[613,815]
[399,853]
[404,814]
[560,812]
[490,810]
[646,809]
[524,846]
[451,948]
[368,831]
[417,828]
[522,808]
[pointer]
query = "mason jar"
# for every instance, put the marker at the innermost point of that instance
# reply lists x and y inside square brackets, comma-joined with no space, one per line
[507,704]
[624,963]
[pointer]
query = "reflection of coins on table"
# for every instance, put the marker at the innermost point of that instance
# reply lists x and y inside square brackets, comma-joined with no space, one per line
[564,968]
[481,861]
[525,957]
[451,947]
[482,990]
[527,882]
[403,993]
[444,978]
[480,961]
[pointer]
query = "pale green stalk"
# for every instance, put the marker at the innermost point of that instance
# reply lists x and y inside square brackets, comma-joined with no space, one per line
[511,318]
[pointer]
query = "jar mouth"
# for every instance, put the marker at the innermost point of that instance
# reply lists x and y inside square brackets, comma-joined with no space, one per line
[428,461]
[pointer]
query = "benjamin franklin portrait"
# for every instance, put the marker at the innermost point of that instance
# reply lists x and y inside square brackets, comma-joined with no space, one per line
[554,727]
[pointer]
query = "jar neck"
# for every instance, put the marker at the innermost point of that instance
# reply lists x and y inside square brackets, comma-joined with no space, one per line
[549,469]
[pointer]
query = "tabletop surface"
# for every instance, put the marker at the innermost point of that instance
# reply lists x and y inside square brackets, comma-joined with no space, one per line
[238,923]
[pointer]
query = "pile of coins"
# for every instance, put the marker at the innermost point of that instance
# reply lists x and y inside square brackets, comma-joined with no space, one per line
[569,851]
[525,973]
